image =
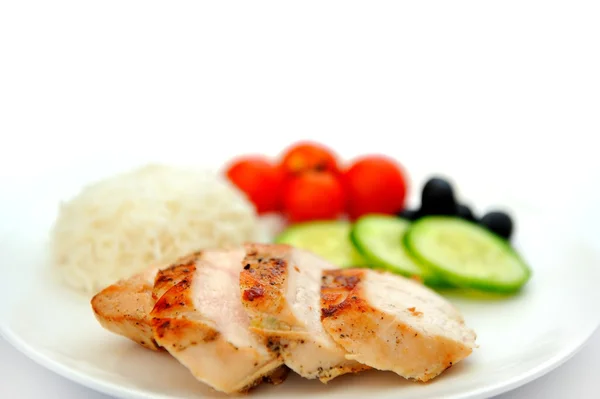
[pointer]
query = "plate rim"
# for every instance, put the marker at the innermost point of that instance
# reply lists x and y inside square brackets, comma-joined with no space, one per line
[111,389]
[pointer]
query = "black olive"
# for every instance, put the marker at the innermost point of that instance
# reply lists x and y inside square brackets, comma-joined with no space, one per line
[409,214]
[437,198]
[499,223]
[464,212]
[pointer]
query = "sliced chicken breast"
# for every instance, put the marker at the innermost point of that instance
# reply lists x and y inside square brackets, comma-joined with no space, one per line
[125,306]
[201,322]
[392,323]
[280,288]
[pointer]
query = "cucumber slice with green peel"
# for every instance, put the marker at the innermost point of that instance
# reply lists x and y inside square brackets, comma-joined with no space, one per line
[379,238]
[466,254]
[327,239]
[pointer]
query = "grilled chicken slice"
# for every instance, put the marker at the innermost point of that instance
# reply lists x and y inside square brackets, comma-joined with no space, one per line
[392,323]
[124,308]
[280,288]
[201,322]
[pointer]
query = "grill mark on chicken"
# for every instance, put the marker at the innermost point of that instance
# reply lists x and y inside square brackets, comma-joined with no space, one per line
[182,333]
[337,293]
[170,276]
[177,300]
[252,293]
[262,282]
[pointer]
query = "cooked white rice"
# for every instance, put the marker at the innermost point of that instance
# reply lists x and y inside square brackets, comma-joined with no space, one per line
[149,216]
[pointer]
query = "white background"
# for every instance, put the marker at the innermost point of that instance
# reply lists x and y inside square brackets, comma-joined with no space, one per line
[493,89]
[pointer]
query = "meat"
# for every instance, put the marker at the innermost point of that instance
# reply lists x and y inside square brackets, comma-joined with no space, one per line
[238,317]
[170,276]
[125,306]
[280,289]
[392,323]
[201,322]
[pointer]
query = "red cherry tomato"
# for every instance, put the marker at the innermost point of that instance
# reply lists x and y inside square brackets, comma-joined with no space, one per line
[375,184]
[260,179]
[308,156]
[313,196]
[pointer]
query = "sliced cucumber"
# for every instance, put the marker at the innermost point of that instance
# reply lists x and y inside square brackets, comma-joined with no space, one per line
[379,239]
[466,254]
[328,239]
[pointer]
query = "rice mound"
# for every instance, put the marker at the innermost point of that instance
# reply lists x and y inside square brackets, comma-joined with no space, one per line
[149,216]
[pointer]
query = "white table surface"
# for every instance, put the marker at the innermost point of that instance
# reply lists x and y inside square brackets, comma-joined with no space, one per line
[576,379]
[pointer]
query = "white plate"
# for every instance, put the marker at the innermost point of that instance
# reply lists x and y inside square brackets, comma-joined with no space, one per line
[520,338]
